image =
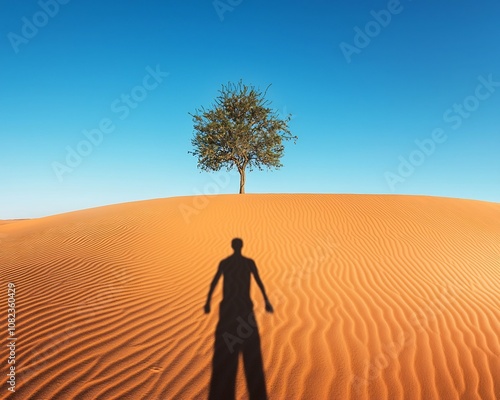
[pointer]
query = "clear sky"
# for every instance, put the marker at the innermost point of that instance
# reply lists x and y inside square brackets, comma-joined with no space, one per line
[387,97]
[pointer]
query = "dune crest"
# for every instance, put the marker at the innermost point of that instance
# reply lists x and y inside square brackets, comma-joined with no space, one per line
[375,297]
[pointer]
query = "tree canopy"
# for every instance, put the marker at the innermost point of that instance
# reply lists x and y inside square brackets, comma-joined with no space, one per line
[240,131]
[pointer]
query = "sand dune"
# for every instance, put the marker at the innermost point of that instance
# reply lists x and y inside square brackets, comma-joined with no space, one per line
[375,297]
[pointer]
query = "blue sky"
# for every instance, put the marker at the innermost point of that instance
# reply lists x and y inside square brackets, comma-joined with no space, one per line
[364,81]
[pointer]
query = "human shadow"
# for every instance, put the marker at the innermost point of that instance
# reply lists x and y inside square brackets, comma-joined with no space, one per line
[237,331]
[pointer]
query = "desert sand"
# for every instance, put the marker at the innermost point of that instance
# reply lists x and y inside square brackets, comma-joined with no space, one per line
[375,297]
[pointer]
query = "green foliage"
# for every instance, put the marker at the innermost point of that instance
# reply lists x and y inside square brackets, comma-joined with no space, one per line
[240,130]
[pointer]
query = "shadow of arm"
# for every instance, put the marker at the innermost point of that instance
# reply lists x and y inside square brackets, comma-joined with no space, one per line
[255,272]
[212,288]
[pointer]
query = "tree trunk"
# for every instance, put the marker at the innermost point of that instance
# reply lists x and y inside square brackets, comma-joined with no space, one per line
[242,180]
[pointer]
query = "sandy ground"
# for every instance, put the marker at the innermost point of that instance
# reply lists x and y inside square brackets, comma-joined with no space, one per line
[375,297]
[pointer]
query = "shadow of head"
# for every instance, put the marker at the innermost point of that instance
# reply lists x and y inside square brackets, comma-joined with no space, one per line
[237,245]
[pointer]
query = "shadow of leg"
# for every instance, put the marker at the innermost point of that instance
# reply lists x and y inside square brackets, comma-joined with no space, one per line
[225,361]
[224,369]
[254,368]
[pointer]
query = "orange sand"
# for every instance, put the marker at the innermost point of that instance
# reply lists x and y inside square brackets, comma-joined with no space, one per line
[375,297]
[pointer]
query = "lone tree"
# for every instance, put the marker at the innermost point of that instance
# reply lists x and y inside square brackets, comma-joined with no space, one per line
[239,131]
